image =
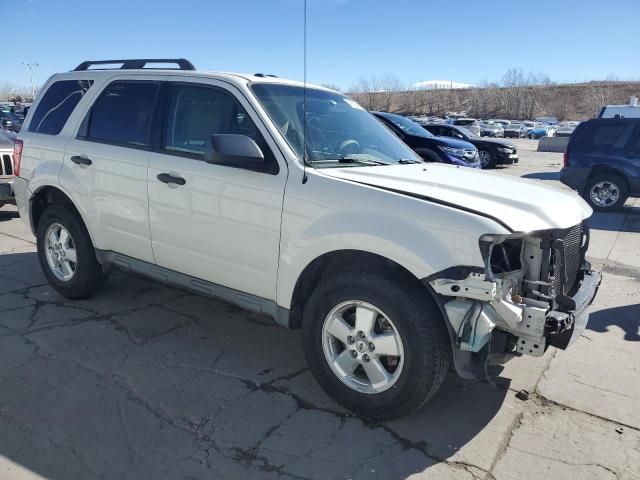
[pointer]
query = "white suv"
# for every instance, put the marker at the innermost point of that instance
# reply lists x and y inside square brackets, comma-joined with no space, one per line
[7,141]
[393,268]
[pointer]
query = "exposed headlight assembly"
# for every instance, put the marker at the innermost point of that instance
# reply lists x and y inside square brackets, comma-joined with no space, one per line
[455,152]
[502,253]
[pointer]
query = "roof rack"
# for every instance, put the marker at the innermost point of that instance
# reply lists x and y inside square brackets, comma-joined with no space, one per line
[136,63]
[264,75]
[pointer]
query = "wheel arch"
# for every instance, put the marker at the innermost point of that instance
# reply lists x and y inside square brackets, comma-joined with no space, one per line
[603,169]
[47,195]
[334,260]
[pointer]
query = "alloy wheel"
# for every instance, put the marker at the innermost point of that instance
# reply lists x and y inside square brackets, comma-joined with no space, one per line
[60,252]
[604,194]
[363,347]
[485,158]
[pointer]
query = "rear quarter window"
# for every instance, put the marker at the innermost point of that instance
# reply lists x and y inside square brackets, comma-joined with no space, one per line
[57,104]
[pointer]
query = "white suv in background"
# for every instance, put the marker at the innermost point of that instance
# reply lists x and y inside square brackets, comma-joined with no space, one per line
[7,141]
[293,201]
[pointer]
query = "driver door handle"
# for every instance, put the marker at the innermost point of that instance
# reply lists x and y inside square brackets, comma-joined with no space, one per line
[80,160]
[168,178]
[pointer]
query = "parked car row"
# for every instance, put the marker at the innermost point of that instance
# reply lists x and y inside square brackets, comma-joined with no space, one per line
[501,128]
[431,148]
[436,141]
[490,152]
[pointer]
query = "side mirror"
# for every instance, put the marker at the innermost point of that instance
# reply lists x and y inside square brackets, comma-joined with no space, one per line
[237,151]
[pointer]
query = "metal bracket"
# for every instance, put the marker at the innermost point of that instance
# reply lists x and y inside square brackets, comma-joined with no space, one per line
[474,287]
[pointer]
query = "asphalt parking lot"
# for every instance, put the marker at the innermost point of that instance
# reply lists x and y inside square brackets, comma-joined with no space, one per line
[146,381]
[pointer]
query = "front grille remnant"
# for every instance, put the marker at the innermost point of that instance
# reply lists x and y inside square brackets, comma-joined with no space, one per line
[6,165]
[567,257]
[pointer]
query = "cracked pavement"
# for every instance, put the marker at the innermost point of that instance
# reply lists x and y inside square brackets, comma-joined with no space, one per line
[147,381]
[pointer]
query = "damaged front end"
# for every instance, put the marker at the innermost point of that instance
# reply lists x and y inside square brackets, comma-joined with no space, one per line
[533,292]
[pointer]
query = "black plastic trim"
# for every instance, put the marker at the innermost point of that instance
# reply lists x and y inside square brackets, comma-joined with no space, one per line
[459,272]
[137,63]
[247,301]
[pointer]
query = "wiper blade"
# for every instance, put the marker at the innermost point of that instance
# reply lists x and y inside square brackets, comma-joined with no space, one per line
[405,161]
[343,159]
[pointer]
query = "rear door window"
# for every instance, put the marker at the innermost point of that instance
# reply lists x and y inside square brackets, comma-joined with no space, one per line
[57,104]
[122,114]
[608,136]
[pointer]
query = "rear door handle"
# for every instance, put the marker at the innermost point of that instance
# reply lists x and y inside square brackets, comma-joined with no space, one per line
[167,178]
[81,160]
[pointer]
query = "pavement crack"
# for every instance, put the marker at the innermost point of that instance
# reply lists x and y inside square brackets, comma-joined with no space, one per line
[546,402]
[506,441]
[565,462]
[55,444]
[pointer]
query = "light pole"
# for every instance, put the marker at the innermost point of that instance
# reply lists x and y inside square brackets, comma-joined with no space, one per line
[31,66]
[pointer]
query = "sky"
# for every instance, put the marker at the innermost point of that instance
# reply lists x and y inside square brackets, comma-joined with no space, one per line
[414,40]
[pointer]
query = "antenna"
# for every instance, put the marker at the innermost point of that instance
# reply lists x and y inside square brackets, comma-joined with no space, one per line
[304,99]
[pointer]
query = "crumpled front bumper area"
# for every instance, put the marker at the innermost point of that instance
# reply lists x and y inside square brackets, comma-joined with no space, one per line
[476,308]
[570,323]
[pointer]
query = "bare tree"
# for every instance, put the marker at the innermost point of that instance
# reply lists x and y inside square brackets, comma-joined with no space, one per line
[595,97]
[389,86]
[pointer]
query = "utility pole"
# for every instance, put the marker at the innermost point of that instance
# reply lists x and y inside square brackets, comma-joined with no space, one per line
[31,66]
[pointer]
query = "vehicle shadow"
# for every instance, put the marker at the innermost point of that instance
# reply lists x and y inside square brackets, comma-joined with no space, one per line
[146,381]
[627,219]
[626,317]
[543,175]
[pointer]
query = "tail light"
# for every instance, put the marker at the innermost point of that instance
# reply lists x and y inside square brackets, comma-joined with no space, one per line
[17,157]
[565,158]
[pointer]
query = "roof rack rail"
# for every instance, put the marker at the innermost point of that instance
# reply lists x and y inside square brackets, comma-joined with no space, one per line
[136,63]
[264,75]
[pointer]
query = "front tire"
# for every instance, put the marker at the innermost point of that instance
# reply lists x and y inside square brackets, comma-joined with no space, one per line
[487,159]
[375,341]
[66,254]
[606,192]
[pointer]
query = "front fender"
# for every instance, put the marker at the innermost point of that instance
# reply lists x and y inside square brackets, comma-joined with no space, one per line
[421,236]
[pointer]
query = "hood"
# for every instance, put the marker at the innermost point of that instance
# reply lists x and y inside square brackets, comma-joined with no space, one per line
[500,143]
[522,205]
[447,142]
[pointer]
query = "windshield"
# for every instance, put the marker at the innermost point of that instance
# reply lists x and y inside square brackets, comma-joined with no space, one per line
[465,122]
[406,125]
[467,132]
[337,128]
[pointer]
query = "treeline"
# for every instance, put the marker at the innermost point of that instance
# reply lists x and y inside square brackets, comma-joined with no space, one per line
[516,96]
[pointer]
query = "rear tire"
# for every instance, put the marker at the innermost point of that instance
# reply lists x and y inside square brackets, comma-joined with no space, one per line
[66,254]
[606,192]
[398,308]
